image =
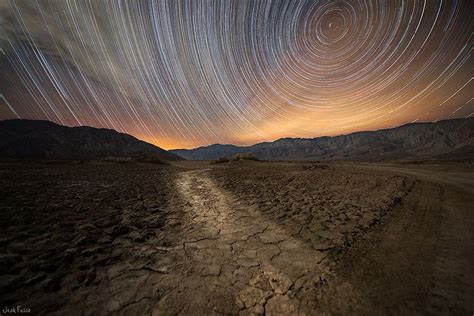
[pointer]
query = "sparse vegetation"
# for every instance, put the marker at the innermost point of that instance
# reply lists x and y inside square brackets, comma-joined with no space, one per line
[117,159]
[153,160]
[220,160]
[315,165]
[244,156]
[236,157]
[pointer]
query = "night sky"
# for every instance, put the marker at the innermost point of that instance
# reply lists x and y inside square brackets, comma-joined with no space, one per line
[182,74]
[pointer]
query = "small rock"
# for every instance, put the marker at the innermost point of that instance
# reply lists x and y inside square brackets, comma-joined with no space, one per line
[88,227]
[82,241]
[35,279]
[247,262]
[71,251]
[48,267]
[119,230]
[135,236]
[261,281]
[156,222]
[105,240]
[7,261]
[116,255]
[90,277]
[211,269]
[280,283]
[67,258]
[159,268]
[53,284]
[91,251]
[281,305]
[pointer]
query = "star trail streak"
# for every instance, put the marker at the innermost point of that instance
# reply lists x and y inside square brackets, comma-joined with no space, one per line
[191,73]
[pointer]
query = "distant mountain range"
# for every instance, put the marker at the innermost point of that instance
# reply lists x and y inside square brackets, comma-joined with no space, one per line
[444,140]
[46,140]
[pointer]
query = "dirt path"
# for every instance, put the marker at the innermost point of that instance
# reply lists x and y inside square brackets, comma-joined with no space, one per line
[453,272]
[422,260]
[261,267]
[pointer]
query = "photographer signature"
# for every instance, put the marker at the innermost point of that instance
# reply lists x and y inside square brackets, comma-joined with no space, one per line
[15,310]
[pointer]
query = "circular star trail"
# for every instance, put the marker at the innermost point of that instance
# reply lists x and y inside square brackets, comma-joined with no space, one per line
[191,73]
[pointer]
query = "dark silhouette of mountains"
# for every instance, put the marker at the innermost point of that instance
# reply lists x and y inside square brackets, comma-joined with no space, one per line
[444,140]
[33,139]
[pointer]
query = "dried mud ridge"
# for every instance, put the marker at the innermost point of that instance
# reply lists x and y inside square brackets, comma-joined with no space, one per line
[236,247]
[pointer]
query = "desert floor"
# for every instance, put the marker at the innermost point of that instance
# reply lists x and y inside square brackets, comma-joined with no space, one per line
[241,237]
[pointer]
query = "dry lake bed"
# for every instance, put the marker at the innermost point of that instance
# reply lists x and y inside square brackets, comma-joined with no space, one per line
[243,237]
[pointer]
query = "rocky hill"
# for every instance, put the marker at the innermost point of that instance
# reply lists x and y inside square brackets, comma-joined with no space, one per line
[444,140]
[33,139]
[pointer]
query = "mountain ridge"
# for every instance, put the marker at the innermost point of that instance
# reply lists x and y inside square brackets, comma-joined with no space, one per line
[40,139]
[423,140]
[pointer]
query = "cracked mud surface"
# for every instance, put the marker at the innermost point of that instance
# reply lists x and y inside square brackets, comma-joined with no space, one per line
[245,238]
[263,264]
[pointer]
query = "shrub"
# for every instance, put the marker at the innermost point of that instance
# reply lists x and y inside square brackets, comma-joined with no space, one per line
[117,159]
[244,156]
[220,160]
[147,159]
[151,159]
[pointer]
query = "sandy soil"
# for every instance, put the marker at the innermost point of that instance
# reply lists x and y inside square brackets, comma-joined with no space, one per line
[237,238]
